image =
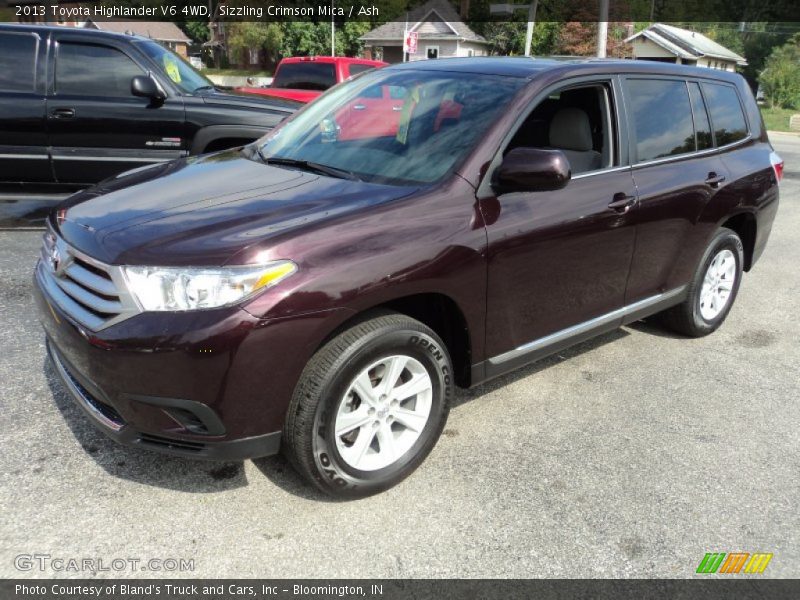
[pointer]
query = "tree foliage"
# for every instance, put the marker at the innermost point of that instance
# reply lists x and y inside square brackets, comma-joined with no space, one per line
[780,78]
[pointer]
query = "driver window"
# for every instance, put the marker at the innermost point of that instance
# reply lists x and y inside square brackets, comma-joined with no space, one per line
[579,122]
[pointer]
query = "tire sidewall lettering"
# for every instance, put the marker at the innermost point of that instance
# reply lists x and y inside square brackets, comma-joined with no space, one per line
[330,471]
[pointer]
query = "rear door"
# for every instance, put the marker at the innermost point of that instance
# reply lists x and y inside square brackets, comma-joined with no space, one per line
[23,134]
[677,173]
[97,127]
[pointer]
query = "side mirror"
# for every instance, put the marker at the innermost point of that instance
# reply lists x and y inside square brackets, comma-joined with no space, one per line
[146,87]
[531,170]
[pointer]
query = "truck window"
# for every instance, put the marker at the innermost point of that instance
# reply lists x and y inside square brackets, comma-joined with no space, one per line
[305,76]
[19,62]
[662,117]
[726,113]
[92,70]
[356,69]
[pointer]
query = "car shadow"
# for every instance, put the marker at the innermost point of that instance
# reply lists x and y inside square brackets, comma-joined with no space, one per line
[651,326]
[140,464]
[188,475]
[465,396]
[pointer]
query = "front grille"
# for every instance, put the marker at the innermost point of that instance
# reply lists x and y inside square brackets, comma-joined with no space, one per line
[89,291]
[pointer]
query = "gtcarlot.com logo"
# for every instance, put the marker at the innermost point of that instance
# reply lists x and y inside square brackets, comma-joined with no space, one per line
[72,564]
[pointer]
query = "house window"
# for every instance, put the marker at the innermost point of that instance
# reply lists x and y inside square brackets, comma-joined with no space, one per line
[470,52]
[431,52]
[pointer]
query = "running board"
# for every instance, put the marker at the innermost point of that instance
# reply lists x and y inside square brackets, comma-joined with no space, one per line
[550,344]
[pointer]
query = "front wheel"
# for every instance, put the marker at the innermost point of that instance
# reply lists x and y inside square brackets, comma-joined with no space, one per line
[369,406]
[713,290]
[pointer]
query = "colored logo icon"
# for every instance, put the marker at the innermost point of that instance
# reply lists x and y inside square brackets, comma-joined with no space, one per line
[734,562]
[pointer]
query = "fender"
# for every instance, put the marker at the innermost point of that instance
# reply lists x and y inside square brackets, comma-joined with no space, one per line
[208,134]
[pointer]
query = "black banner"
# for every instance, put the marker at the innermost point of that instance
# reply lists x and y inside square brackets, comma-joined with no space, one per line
[734,588]
[381,11]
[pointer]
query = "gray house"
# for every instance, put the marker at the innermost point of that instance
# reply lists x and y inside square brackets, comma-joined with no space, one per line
[667,43]
[441,31]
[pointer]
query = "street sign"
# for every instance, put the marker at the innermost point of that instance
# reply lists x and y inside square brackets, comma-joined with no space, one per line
[410,42]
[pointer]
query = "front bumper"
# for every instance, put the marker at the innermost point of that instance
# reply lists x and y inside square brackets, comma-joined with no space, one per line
[106,418]
[206,384]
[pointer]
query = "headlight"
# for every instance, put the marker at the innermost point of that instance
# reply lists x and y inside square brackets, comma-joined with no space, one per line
[174,289]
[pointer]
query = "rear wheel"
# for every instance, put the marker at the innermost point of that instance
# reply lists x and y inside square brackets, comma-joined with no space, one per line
[369,406]
[713,290]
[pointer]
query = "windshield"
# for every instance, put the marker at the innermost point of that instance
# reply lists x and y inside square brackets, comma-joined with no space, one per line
[180,72]
[396,127]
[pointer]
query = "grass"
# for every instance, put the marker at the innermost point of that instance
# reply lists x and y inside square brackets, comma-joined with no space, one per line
[237,72]
[777,119]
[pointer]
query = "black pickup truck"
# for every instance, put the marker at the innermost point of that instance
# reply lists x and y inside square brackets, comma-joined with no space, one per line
[78,106]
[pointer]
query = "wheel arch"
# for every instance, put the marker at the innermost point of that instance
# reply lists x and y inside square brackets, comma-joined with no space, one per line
[745,226]
[206,138]
[438,311]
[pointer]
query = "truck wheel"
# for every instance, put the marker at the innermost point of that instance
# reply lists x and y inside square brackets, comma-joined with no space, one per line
[369,406]
[713,290]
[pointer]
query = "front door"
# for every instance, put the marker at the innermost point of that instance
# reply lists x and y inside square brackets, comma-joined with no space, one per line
[559,260]
[97,127]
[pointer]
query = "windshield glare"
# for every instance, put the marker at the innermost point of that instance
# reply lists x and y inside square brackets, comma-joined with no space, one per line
[180,72]
[395,127]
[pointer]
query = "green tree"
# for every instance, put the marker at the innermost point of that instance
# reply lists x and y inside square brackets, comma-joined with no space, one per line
[197,30]
[245,35]
[780,78]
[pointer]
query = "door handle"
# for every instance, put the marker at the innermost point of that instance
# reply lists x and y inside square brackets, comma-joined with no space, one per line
[359,107]
[714,180]
[63,113]
[622,202]
[397,108]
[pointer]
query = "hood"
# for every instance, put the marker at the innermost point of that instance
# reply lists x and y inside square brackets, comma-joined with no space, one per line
[203,211]
[300,96]
[222,98]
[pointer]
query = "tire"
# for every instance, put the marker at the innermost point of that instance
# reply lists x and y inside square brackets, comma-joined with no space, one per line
[377,427]
[698,315]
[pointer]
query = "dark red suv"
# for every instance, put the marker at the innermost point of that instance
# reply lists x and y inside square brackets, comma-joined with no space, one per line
[324,293]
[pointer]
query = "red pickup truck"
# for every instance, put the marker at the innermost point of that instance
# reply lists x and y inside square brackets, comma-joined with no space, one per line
[303,78]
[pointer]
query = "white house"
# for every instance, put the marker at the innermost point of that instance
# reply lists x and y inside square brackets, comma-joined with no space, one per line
[667,43]
[441,34]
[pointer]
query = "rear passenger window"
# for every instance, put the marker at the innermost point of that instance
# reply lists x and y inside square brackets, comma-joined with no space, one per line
[702,126]
[726,113]
[662,118]
[89,70]
[18,53]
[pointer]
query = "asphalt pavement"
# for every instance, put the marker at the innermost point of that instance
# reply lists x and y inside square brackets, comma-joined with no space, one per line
[628,456]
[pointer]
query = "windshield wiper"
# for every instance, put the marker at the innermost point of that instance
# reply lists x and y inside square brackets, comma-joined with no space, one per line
[310,166]
[204,88]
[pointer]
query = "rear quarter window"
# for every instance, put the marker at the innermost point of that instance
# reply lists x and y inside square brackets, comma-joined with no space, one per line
[18,57]
[727,117]
[662,117]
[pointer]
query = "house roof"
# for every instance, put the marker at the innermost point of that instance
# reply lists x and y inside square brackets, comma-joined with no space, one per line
[687,44]
[433,11]
[162,31]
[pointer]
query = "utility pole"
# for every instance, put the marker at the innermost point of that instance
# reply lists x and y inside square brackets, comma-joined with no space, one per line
[333,33]
[531,23]
[602,29]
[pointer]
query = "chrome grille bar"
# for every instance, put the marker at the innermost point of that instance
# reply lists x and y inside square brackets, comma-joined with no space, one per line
[90,292]
[88,279]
